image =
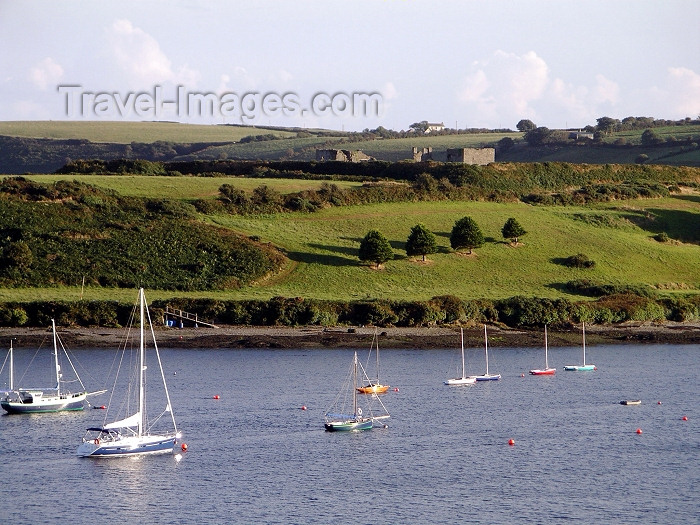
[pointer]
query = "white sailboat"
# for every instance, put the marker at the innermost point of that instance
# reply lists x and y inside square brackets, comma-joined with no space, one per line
[546,371]
[45,399]
[464,380]
[584,367]
[486,376]
[136,434]
[342,418]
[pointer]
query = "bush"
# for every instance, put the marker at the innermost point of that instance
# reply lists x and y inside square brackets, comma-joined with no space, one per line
[661,237]
[579,260]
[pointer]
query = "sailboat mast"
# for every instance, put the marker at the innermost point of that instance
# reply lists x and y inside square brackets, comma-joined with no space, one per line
[377,360]
[546,360]
[486,349]
[55,357]
[462,334]
[354,386]
[584,343]
[12,368]
[141,364]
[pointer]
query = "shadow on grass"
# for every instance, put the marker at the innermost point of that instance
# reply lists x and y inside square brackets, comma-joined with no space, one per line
[678,224]
[691,198]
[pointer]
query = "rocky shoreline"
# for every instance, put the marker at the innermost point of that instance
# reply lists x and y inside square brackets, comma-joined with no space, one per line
[361,337]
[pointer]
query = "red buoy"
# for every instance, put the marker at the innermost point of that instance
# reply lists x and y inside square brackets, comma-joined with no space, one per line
[184,447]
[685,418]
[511,442]
[658,402]
[522,375]
[639,431]
[303,407]
[216,396]
[103,407]
[396,389]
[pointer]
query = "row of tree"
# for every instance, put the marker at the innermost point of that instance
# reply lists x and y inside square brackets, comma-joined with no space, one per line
[375,248]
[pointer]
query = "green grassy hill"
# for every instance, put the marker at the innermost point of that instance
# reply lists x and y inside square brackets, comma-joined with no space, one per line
[322,263]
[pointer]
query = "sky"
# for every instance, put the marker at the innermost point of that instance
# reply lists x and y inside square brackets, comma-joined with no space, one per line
[350,65]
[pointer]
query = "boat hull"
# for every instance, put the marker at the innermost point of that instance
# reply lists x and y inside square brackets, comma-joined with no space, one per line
[130,446]
[631,402]
[349,426]
[461,381]
[373,389]
[62,403]
[489,377]
[545,372]
[580,368]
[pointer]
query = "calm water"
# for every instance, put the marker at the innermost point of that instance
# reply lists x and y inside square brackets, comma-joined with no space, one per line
[256,457]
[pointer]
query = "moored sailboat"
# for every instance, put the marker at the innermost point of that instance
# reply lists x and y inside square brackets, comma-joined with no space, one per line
[546,371]
[486,376]
[584,367]
[135,434]
[353,418]
[374,387]
[45,399]
[464,380]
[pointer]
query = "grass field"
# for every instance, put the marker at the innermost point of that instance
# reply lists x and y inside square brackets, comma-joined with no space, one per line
[128,132]
[322,251]
[185,188]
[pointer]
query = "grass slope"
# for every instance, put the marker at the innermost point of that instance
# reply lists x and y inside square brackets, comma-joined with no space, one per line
[322,251]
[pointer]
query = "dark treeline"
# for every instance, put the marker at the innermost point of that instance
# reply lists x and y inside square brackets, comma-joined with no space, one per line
[281,311]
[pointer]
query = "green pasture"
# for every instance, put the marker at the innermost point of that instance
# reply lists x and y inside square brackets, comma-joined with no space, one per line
[128,132]
[322,250]
[400,149]
[184,187]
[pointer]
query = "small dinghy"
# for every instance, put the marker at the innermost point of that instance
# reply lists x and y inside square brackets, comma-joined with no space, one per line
[631,402]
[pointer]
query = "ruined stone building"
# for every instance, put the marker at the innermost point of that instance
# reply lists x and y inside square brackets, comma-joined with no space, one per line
[341,155]
[479,156]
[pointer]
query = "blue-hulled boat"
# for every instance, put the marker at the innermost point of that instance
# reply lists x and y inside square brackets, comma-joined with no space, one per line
[584,367]
[136,434]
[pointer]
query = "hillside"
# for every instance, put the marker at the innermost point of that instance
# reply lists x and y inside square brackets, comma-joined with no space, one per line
[43,147]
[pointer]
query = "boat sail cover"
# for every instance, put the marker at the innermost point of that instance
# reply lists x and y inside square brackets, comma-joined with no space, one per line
[131,421]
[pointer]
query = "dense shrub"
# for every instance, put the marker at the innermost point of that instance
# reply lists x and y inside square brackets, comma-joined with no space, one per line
[580,260]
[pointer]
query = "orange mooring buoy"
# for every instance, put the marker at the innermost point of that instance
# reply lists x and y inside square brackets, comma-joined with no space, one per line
[639,431]
[511,442]
[184,447]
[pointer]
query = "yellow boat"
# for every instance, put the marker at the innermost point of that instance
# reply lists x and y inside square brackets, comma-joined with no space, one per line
[373,387]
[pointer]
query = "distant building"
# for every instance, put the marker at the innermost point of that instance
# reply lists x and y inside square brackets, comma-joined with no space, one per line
[341,155]
[580,135]
[478,156]
[434,127]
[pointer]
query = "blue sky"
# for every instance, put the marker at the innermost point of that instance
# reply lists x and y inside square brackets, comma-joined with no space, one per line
[559,63]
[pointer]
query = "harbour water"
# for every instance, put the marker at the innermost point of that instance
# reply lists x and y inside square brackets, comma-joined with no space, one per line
[254,456]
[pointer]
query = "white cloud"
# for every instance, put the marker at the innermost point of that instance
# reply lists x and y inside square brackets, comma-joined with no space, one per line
[46,74]
[684,91]
[503,85]
[508,87]
[141,59]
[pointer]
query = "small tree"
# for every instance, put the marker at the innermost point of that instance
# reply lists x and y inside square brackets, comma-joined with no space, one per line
[421,241]
[466,234]
[375,248]
[512,230]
